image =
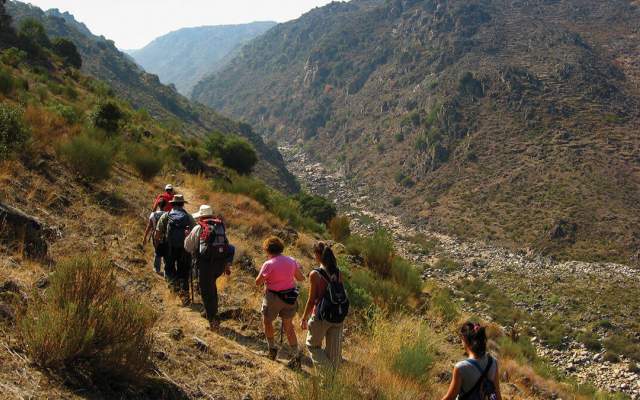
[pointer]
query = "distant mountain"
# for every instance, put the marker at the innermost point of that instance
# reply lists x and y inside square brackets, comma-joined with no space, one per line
[102,60]
[186,56]
[512,121]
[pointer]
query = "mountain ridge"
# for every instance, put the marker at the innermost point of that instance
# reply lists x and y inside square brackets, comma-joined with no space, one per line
[185,56]
[495,120]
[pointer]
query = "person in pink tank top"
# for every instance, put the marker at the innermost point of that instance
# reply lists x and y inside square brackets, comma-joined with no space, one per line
[279,275]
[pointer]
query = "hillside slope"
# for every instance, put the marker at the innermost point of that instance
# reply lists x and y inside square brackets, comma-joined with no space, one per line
[102,60]
[186,56]
[507,121]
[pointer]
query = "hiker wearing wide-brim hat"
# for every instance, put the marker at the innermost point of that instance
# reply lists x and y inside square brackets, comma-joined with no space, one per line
[213,255]
[172,228]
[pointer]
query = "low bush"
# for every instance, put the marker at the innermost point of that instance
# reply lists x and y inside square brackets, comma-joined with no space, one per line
[108,116]
[447,264]
[414,359]
[67,51]
[442,305]
[623,345]
[385,293]
[89,157]
[406,274]
[147,162]
[13,134]
[7,82]
[239,155]
[590,340]
[378,252]
[339,228]
[86,323]
[355,245]
[13,56]
[316,207]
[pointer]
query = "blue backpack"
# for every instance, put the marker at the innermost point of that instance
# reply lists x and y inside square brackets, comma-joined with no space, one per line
[484,389]
[178,228]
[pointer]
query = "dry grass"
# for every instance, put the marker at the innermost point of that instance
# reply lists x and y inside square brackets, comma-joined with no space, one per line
[47,127]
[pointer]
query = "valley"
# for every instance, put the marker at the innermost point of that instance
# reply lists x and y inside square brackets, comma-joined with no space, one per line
[523,292]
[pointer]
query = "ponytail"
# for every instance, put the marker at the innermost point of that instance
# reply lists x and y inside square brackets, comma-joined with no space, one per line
[327,258]
[475,336]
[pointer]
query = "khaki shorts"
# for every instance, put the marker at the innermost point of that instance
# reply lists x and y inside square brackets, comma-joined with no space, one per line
[273,307]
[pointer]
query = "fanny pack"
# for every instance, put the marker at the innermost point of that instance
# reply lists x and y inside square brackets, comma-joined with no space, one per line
[289,296]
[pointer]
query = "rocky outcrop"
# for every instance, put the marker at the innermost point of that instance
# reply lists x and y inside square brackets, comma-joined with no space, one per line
[22,232]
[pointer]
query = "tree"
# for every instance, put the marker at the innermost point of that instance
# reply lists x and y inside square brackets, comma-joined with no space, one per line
[107,116]
[32,31]
[13,134]
[238,154]
[68,51]
[316,207]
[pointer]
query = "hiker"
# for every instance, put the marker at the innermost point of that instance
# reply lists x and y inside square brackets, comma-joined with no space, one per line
[213,255]
[159,246]
[167,196]
[279,275]
[173,227]
[477,377]
[327,306]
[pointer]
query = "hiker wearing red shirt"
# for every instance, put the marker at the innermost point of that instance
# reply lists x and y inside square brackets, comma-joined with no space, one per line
[167,196]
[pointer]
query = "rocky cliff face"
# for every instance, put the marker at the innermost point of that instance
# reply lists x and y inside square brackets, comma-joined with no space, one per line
[188,55]
[494,119]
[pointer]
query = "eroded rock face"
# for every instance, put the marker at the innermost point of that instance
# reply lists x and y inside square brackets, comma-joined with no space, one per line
[23,232]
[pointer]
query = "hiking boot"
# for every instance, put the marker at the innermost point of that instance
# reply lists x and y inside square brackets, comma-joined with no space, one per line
[273,353]
[295,362]
[214,325]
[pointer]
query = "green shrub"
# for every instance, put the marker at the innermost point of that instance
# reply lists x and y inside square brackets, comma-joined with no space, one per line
[406,274]
[339,227]
[447,264]
[386,293]
[67,112]
[552,330]
[89,157]
[521,350]
[590,340]
[316,207]
[85,322]
[7,82]
[621,344]
[67,51]
[108,116]
[147,162]
[32,30]
[13,134]
[443,306]
[378,252]
[415,359]
[13,56]
[355,245]
[239,155]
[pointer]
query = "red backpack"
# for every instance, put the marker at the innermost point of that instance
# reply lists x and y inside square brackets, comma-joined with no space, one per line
[167,197]
[214,244]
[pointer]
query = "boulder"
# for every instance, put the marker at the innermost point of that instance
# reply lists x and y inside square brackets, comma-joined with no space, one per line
[22,231]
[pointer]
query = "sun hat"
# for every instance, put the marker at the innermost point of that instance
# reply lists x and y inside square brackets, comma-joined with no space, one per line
[168,187]
[178,198]
[204,211]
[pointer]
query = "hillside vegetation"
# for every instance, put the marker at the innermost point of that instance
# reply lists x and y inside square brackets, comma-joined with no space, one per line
[145,92]
[512,122]
[188,55]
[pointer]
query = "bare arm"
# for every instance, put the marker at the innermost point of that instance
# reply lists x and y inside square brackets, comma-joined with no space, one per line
[299,275]
[260,280]
[454,387]
[147,231]
[310,300]
[497,384]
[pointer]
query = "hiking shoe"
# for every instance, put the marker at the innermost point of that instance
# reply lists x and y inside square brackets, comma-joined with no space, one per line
[214,325]
[273,353]
[295,362]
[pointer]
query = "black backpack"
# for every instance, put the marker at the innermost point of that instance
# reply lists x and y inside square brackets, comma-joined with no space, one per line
[178,227]
[334,305]
[214,244]
[484,389]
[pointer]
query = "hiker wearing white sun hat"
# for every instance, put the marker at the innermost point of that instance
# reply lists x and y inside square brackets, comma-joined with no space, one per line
[213,255]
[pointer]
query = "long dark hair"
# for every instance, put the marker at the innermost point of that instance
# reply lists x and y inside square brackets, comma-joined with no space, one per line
[475,336]
[327,258]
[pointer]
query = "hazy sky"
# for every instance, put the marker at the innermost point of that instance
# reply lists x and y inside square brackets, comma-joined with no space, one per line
[134,23]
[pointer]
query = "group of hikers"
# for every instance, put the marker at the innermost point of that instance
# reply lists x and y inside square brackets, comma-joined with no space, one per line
[196,246]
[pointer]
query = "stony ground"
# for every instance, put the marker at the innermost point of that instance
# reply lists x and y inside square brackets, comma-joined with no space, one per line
[582,292]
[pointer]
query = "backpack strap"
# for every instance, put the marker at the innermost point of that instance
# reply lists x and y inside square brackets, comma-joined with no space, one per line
[483,375]
[325,275]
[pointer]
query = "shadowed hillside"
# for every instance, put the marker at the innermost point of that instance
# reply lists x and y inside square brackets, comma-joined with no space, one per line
[514,122]
[102,60]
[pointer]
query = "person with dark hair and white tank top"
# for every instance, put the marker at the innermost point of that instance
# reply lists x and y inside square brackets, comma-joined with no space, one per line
[477,377]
